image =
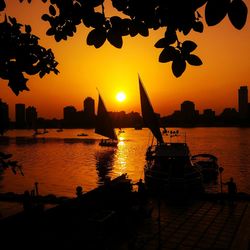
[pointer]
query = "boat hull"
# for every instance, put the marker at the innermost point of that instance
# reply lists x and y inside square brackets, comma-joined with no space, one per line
[190,183]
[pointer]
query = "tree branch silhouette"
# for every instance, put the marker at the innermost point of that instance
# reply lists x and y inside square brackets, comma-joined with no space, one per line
[137,18]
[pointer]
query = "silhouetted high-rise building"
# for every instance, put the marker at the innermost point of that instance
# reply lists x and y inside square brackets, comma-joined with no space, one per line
[188,107]
[31,117]
[20,115]
[4,116]
[89,106]
[69,116]
[188,112]
[243,102]
[89,112]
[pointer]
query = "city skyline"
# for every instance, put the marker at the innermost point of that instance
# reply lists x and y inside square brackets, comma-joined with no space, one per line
[223,50]
[89,107]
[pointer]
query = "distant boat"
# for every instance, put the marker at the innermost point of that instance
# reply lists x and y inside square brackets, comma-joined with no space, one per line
[104,125]
[168,164]
[82,134]
[121,131]
[45,131]
[60,129]
[37,132]
[138,127]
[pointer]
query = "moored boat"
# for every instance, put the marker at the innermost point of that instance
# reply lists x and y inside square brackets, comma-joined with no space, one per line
[168,168]
[208,165]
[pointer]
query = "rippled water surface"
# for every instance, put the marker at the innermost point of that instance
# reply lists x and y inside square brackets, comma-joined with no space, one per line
[61,161]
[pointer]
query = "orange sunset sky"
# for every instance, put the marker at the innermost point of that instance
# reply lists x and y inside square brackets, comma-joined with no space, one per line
[225,53]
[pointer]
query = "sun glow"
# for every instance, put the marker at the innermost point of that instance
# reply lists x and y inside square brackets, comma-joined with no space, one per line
[120,96]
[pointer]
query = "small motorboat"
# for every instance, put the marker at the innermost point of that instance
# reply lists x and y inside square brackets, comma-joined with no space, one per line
[208,165]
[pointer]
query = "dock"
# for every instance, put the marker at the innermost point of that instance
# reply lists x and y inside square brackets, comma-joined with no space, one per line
[199,225]
[110,218]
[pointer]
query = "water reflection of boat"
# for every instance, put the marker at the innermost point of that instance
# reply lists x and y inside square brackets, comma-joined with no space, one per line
[45,131]
[104,164]
[208,165]
[104,126]
[168,164]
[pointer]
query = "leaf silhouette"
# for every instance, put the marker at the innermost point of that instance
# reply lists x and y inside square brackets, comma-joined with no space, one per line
[198,3]
[198,26]
[215,11]
[97,37]
[162,43]
[142,29]
[27,28]
[52,10]
[168,54]
[45,17]
[170,36]
[178,66]
[194,60]
[2,5]
[237,13]
[188,46]
[50,32]
[133,30]
[18,83]
[115,38]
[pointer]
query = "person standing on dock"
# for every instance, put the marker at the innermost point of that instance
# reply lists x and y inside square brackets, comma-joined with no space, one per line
[232,190]
[79,191]
[27,202]
[142,192]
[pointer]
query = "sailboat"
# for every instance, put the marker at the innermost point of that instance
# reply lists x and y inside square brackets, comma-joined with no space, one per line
[104,125]
[168,168]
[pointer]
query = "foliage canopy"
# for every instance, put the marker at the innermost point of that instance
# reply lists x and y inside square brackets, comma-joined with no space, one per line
[21,54]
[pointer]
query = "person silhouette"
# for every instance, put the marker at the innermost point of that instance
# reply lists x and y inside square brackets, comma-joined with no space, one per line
[79,191]
[142,192]
[27,204]
[232,190]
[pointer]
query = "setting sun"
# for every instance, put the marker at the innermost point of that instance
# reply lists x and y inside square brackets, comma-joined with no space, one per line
[120,96]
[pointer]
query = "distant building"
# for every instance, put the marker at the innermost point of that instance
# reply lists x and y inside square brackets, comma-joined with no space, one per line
[69,116]
[243,102]
[89,106]
[229,116]
[31,117]
[4,117]
[188,112]
[248,115]
[209,113]
[208,117]
[89,112]
[20,116]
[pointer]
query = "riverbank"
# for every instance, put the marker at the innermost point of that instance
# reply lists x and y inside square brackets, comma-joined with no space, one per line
[111,217]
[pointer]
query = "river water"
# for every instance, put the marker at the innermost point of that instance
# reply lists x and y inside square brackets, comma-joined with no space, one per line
[61,161]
